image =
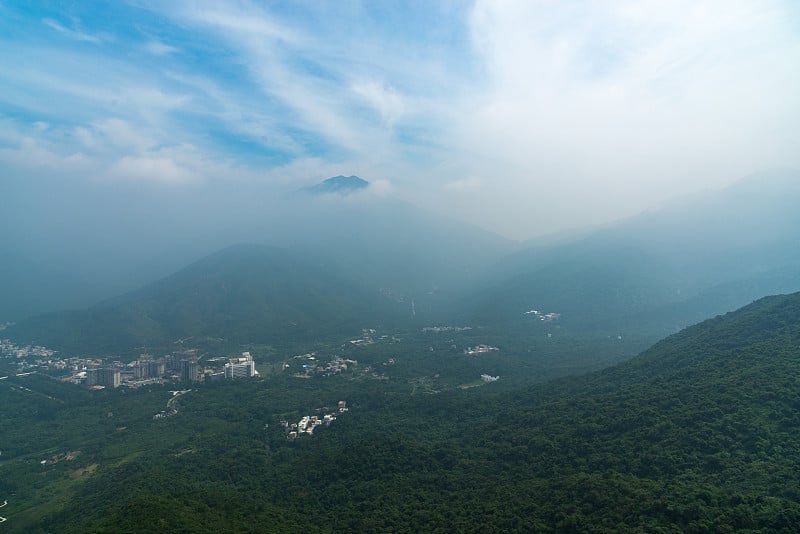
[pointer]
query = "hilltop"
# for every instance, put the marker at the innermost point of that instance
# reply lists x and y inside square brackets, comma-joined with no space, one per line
[342,185]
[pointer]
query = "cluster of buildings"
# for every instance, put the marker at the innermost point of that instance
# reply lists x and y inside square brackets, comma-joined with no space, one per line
[367,337]
[185,366]
[490,378]
[180,366]
[479,349]
[149,368]
[7,348]
[312,367]
[308,423]
[438,329]
[546,317]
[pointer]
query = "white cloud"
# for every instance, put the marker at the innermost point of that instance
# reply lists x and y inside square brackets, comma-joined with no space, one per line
[151,169]
[381,188]
[110,149]
[382,98]
[321,82]
[249,22]
[157,48]
[551,114]
[120,134]
[72,34]
[471,183]
[627,102]
[31,156]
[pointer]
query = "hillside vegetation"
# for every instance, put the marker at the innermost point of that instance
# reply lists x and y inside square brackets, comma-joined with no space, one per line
[242,294]
[699,433]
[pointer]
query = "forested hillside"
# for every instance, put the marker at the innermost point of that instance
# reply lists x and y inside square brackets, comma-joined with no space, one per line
[242,294]
[698,433]
[661,270]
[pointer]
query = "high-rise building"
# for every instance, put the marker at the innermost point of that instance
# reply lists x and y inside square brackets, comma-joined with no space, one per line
[141,370]
[92,377]
[109,377]
[240,370]
[190,370]
[243,367]
[156,368]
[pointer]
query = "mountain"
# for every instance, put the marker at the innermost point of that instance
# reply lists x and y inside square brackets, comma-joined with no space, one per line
[662,270]
[74,258]
[406,252]
[342,185]
[242,294]
[378,252]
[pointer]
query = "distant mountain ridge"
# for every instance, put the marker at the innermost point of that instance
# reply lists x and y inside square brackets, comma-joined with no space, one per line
[391,244]
[647,276]
[661,270]
[342,185]
[242,294]
[350,255]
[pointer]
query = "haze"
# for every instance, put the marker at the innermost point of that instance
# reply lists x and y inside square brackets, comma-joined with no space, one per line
[149,133]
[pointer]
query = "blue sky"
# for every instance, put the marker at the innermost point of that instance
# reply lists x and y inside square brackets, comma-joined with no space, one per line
[523,116]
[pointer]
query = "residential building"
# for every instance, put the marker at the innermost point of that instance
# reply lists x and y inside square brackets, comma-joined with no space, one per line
[243,367]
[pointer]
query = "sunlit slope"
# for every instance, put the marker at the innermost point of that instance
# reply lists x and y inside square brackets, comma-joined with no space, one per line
[245,293]
[662,270]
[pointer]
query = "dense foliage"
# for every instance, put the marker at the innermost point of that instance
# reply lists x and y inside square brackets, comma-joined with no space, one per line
[699,433]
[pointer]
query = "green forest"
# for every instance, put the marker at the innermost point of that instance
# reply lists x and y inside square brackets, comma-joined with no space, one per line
[699,433]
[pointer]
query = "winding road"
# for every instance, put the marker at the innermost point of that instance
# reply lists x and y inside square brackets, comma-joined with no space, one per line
[3,519]
[175,394]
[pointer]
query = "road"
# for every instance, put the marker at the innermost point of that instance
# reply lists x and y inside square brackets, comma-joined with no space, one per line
[175,395]
[3,519]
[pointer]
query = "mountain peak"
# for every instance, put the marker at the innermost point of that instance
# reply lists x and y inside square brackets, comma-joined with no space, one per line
[342,185]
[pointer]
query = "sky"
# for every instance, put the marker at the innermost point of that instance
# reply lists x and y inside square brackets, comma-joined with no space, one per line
[524,117]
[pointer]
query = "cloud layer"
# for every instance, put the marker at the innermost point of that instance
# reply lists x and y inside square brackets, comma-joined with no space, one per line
[546,114]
